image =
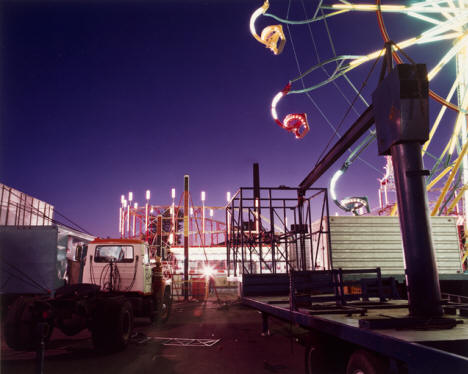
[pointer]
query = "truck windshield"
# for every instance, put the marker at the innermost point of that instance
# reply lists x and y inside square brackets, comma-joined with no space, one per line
[114,253]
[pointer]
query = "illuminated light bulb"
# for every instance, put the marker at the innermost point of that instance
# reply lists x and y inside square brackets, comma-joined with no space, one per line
[122,198]
[228,196]
[130,196]
[135,205]
[203,195]
[124,203]
[275,101]
[173,193]
[297,124]
[271,36]
[151,210]
[148,194]
[211,212]
[208,271]
[191,211]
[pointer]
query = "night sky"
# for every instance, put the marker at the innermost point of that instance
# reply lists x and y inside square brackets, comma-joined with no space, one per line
[101,98]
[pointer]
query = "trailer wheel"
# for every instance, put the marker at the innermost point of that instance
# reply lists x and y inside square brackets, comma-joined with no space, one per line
[365,362]
[112,325]
[22,325]
[323,358]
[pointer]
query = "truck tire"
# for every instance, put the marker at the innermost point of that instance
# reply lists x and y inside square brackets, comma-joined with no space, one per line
[166,306]
[21,325]
[112,325]
[365,362]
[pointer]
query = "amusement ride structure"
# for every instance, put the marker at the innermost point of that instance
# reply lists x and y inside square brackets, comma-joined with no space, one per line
[440,25]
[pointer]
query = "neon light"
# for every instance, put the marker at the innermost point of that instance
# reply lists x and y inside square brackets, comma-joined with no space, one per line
[271,35]
[296,122]
[333,181]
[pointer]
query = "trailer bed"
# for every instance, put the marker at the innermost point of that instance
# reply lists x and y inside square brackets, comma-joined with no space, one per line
[423,350]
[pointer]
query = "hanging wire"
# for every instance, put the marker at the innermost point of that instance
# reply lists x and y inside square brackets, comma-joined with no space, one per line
[314,103]
[36,210]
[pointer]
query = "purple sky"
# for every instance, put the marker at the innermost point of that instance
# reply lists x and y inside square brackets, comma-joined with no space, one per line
[102,98]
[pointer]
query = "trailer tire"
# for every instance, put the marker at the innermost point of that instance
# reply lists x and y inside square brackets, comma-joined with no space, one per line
[365,362]
[112,325]
[317,360]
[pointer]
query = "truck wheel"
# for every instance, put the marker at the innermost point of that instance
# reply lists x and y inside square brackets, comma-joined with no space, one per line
[165,307]
[112,325]
[21,325]
[365,362]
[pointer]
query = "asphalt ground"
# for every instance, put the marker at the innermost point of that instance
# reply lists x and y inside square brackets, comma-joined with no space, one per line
[241,347]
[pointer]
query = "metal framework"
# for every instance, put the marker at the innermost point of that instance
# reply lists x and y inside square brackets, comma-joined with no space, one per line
[204,231]
[280,230]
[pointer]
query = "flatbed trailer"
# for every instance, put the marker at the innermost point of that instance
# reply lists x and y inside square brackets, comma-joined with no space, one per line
[382,328]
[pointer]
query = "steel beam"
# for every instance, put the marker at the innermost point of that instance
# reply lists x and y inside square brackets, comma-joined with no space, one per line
[362,124]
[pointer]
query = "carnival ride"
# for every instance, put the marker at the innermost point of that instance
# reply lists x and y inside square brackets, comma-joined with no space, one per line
[437,24]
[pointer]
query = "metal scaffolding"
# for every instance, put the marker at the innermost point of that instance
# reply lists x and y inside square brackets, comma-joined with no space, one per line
[276,229]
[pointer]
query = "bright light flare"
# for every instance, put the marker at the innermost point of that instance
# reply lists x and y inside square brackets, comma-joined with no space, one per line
[148,194]
[173,193]
[203,196]
[130,196]
[208,271]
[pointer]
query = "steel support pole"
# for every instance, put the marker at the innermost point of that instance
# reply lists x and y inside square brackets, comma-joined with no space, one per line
[186,237]
[421,271]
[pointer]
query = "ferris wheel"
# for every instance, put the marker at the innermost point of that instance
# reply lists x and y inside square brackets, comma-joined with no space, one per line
[442,25]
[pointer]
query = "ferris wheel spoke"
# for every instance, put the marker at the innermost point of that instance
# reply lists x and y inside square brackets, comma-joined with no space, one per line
[447,57]
[442,111]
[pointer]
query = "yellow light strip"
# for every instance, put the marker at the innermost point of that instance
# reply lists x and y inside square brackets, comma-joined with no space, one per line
[425,18]
[457,199]
[441,114]
[448,56]
[450,179]
[370,7]
[461,119]
[438,178]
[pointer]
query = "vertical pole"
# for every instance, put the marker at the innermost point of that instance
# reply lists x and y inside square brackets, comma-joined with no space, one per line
[120,221]
[159,249]
[421,271]
[257,210]
[128,219]
[186,237]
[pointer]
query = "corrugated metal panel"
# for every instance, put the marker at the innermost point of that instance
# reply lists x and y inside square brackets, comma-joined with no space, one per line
[19,209]
[371,241]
